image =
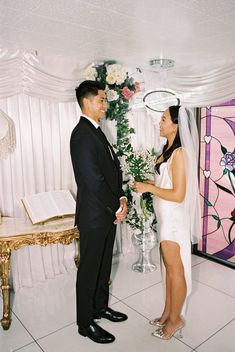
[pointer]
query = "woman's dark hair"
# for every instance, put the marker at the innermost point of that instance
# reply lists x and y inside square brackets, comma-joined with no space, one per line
[174,114]
[88,88]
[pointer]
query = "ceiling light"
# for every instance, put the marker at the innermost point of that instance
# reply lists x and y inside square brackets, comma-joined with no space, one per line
[161,63]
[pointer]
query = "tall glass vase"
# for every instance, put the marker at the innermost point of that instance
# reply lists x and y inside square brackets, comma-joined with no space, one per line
[144,242]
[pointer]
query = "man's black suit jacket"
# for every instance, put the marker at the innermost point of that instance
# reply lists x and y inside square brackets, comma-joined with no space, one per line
[98,177]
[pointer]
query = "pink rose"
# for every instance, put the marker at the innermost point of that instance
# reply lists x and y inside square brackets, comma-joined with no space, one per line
[137,87]
[127,93]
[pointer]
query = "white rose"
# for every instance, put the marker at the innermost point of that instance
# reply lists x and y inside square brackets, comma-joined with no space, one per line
[111,69]
[90,73]
[110,79]
[112,95]
[120,78]
[115,68]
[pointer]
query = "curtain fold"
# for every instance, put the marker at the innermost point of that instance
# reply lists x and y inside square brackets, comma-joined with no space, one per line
[40,162]
[55,78]
[204,85]
[38,94]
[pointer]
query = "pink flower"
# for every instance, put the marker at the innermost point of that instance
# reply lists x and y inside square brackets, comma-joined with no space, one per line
[127,93]
[137,87]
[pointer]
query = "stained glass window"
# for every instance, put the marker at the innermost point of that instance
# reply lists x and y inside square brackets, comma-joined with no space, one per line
[217,182]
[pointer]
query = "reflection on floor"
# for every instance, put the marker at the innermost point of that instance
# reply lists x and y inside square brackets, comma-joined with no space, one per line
[43,317]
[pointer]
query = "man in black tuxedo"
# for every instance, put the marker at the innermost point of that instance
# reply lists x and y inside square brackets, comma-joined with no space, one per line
[100,206]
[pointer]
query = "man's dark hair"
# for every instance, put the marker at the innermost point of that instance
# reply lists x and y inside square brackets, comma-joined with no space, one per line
[88,88]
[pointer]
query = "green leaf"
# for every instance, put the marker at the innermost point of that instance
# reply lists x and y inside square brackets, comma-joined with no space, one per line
[207,202]
[223,188]
[224,150]
[216,217]
[218,224]
[225,171]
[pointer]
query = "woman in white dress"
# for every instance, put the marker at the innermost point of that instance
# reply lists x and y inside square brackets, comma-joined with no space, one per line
[176,203]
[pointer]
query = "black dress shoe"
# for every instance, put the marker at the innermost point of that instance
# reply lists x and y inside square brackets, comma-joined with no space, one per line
[111,315]
[96,333]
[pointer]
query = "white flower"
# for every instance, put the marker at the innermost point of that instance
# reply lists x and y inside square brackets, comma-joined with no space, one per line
[112,95]
[90,73]
[145,171]
[118,73]
[111,79]
[120,79]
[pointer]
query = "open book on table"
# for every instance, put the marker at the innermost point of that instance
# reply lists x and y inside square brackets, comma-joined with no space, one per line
[45,206]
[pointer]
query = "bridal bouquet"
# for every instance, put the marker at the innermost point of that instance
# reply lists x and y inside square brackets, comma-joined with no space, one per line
[139,166]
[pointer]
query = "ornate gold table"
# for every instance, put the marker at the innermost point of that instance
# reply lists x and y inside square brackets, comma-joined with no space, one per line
[15,233]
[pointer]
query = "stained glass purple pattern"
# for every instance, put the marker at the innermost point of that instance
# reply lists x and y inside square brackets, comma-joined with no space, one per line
[217,181]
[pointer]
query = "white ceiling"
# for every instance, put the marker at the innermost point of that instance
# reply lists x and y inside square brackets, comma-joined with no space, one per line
[130,31]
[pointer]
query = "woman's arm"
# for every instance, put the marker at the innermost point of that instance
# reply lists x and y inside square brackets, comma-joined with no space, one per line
[151,182]
[177,193]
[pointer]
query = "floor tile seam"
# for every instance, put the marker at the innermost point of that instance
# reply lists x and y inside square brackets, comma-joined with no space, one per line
[184,342]
[146,288]
[34,340]
[215,333]
[40,347]
[118,300]
[203,283]
[203,261]
[18,349]
[28,344]
[135,311]
[55,331]
[216,264]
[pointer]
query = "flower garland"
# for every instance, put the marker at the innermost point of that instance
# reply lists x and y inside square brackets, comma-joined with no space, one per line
[120,88]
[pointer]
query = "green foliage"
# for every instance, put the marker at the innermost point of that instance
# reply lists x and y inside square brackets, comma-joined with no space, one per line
[122,88]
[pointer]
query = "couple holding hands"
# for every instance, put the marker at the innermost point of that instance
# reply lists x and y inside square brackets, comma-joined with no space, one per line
[101,204]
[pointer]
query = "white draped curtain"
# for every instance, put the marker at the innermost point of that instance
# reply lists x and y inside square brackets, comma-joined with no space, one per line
[38,94]
[54,78]
[41,162]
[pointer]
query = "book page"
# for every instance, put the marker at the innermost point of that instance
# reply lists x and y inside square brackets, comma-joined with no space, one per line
[46,205]
[64,202]
[40,207]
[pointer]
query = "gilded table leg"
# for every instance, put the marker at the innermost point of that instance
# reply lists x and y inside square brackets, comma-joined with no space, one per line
[5,254]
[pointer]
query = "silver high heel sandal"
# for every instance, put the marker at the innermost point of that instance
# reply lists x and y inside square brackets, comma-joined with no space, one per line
[156,323]
[177,332]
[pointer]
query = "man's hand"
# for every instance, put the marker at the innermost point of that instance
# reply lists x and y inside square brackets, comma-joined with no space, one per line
[121,212]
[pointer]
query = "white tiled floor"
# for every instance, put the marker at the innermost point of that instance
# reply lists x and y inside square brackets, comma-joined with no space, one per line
[43,317]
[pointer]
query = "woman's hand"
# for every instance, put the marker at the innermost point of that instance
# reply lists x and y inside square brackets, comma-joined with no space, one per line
[151,182]
[141,187]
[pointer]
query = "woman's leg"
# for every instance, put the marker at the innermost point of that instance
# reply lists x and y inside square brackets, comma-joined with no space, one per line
[166,311]
[175,273]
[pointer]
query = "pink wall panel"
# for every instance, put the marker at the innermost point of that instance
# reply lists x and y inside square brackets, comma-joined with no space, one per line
[217,181]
